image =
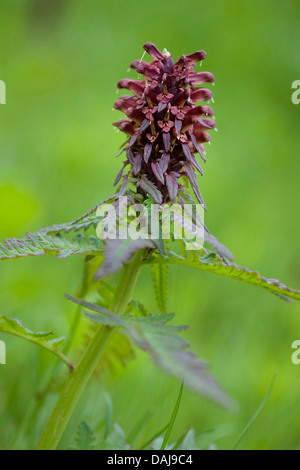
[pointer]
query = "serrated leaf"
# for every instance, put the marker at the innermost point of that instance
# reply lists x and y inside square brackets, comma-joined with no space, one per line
[137,308]
[85,439]
[160,280]
[83,224]
[169,352]
[162,319]
[15,327]
[105,316]
[166,347]
[119,252]
[39,244]
[231,271]
[119,351]
[219,247]
[94,209]
[46,240]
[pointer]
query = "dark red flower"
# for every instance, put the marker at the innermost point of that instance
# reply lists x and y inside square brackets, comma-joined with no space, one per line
[164,126]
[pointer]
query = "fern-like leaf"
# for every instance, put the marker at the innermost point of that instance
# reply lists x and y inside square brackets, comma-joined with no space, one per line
[14,327]
[117,252]
[212,263]
[85,439]
[84,224]
[167,349]
[39,243]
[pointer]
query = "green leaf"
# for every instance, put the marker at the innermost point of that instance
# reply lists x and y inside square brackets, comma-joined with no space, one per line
[160,280]
[85,439]
[258,411]
[119,351]
[118,252]
[167,349]
[137,308]
[83,224]
[173,419]
[216,245]
[170,352]
[14,327]
[104,315]
[39,243]
[230,270]
[94,209]
[154,438]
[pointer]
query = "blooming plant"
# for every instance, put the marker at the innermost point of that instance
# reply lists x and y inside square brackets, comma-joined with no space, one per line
[165,128]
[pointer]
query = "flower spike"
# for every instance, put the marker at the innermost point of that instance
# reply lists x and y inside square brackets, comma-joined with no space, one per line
[164,124]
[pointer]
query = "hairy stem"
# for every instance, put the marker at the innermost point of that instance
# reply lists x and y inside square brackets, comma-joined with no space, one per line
[78,380]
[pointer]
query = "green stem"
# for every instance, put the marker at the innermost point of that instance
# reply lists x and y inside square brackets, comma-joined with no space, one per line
[78,380]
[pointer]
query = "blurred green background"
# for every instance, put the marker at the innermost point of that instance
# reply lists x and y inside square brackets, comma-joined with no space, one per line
[61,61]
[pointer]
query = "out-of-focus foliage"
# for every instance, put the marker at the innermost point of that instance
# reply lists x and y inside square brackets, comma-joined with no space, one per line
[14,327]
[61,61]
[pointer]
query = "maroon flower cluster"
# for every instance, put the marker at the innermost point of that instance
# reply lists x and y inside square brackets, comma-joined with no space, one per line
[165,127]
